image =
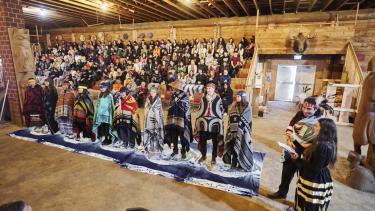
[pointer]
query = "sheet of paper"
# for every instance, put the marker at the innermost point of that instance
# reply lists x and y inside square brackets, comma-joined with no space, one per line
[286,147]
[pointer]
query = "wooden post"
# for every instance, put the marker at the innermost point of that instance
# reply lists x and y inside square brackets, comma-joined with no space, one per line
[356,15]
[37,34]
[257,20]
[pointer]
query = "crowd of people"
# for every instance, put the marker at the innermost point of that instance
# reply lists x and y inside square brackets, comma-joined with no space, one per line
[129,76]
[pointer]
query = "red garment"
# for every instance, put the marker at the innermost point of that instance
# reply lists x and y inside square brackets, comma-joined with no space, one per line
[129,104]
[235,60]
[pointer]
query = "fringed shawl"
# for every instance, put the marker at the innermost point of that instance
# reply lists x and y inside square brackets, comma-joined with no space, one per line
[154,124]
[240,129]
[104,114]
[126,114]
[179,116]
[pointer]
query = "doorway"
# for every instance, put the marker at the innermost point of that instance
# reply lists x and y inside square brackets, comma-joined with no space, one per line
[294,82]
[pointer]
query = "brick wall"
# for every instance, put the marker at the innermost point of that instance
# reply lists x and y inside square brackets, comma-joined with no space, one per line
[10,16]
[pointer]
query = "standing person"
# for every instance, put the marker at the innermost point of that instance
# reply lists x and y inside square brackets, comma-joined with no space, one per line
[153,135]
[64,110]
[178,124]
[209,122]
[309,114]
[125,120]
[103,116]
[226,94]
[238,144]
[83,114]
[49,102]
[315,185]
[33,109]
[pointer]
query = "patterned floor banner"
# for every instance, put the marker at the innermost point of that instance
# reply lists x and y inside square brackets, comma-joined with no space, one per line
[220,176]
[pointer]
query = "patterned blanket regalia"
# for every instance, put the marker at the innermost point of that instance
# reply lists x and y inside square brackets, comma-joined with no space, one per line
[220,176]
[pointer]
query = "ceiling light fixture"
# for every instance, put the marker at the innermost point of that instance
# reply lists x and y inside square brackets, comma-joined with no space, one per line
[103,5]
[42,12]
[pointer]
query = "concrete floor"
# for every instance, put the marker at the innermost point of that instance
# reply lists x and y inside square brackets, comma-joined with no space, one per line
[53,179]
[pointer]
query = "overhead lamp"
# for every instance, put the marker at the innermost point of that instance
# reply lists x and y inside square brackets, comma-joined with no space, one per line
[103,5]
[42,12]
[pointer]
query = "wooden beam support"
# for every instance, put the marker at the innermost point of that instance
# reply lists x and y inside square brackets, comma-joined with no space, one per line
[226,2]
[160,11]
[341,5]
[243,6]
[297,5]
[220,9]
[270,3]
[312,5]
[207,9]
[181,9]
[256,4]
[369,4]
[145,12]
[327,5]
[169,10]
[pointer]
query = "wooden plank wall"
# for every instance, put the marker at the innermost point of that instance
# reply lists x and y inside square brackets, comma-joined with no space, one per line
[326,39]
[322,72]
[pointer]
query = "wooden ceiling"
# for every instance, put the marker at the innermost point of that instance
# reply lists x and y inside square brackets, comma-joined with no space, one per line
[71,13]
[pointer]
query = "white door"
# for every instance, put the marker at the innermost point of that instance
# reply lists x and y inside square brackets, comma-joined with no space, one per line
[285,82]
[305,80]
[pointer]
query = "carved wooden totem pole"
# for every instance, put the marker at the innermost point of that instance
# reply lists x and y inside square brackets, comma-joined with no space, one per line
[362,174]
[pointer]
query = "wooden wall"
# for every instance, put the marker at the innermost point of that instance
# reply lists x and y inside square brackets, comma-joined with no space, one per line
[324,70]
[273,33]
[326,39]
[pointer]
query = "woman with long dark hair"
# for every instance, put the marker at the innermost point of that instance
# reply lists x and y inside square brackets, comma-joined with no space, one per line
[49,102]
[315,186]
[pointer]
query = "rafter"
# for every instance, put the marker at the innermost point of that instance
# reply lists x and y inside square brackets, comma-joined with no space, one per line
[181,9]
[327,5]
[369,4]
[207,9]
[342,4]
[153,8]
[220,9]
[243,6]
[256,4]
[169,10]
[312,5]
[147,13]
[226,2]
[270,3]
[297,5]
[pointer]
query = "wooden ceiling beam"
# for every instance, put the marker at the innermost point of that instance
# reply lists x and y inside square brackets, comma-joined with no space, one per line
[66,12]
[327,5]
[219,9]
[312,5]
[341,5]
[297,5]
[170,15]
[231,8]
[207,9]
[148,12]
[63,8]
[270,4]
[181,9]
[144,12]
[110,10]
[369,4]
[169,10]
[243,6]
[256,4]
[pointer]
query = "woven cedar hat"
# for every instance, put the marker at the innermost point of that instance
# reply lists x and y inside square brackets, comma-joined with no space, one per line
[178,84]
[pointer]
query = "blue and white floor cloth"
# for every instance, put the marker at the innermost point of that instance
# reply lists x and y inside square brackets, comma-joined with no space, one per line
[219,176]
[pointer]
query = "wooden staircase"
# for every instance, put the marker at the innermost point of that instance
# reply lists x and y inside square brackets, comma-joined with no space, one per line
[347,93]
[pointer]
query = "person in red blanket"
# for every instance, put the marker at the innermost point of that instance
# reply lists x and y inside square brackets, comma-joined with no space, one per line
[33,109]
[125,119]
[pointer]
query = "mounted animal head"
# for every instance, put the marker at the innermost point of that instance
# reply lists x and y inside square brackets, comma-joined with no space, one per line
[299,42]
